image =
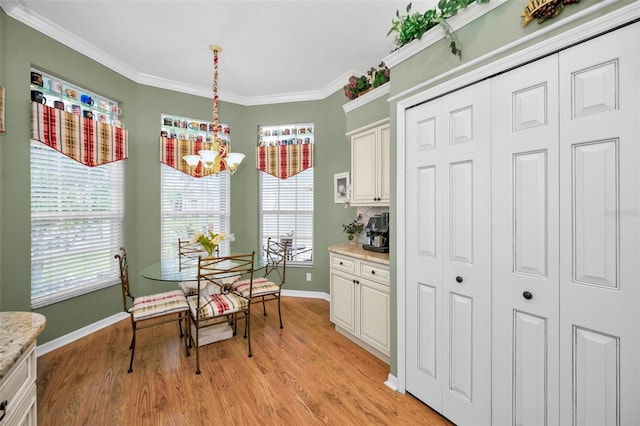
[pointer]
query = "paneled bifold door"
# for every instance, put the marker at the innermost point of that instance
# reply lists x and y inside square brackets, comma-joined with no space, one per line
[449,254]
[542,328]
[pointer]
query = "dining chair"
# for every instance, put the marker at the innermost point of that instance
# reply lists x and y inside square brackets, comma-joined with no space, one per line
[151,310]
[208,309]
[190,252]
[268,286]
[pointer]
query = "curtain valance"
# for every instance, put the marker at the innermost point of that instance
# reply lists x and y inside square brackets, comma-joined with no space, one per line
[284,161]
[87,141]
[173,150]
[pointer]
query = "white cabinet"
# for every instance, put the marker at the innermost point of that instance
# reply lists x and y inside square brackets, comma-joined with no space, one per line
[360,302]
[18,391]
[370,165]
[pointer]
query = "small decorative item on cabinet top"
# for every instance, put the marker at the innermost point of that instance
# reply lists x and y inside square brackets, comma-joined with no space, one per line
[354,228]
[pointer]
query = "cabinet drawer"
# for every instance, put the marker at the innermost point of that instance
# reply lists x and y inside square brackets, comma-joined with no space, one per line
[343,263]
[375,272]
[17,382]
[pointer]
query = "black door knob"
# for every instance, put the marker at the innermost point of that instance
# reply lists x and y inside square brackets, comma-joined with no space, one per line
[459,279]
[527,295]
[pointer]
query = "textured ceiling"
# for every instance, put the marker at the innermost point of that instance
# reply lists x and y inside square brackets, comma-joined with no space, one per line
[273,51]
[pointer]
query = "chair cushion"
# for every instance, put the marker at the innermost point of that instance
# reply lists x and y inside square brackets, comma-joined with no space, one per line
[215,305]
[159,304]
[261,286]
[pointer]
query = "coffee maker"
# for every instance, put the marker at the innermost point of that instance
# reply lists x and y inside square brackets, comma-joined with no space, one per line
[377,231]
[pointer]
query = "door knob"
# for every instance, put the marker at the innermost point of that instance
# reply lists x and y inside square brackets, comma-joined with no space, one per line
[527,295]
[459,279]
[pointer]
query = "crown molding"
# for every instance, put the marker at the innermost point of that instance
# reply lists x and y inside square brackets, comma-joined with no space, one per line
[16,10]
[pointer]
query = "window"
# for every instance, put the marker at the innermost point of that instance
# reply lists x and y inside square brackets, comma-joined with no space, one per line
[77,224]
[286,205]
[192,204]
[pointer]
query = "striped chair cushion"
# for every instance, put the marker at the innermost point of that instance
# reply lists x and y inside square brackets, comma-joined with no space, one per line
[215,305]
[261,286]
[155,305]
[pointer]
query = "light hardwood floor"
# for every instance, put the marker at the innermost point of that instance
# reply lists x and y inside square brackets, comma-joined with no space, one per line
[304,374]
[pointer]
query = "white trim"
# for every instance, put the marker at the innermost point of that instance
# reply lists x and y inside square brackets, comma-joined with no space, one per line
[367,127]
[435,34]
[54,344]
[545,46]
[392,382]
[376,93]
[307,294]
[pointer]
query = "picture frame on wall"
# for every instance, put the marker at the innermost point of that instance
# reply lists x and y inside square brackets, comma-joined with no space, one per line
[341,187]
[2,129]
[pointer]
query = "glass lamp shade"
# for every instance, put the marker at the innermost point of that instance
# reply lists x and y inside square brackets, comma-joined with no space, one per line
[208,157]
[192,160]
[234,159]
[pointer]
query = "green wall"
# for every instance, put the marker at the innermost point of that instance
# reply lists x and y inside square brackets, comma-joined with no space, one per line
[22,47]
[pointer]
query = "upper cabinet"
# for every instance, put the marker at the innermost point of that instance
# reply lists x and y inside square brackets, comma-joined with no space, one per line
[370,165]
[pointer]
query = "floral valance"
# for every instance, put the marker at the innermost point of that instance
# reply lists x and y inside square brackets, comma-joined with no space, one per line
[173,150]
[284,161]
[87,141]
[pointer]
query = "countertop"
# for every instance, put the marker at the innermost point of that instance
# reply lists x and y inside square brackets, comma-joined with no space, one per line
[18,330]
[356,250]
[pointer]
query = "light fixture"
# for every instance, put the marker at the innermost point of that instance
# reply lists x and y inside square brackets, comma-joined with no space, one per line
[217,153]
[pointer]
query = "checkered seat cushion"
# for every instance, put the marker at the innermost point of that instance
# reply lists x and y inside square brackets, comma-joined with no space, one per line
[261,286]
[146,307]
[214,305]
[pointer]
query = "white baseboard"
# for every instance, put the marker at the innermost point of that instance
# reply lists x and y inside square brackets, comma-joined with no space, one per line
[91,328]
[392,382]
[79,333]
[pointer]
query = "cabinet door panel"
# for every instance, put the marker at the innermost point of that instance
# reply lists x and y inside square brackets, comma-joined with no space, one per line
[363,173]
[343,299]
[374,314]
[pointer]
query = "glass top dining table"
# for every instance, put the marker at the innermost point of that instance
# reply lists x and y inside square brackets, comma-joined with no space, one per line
[170,270]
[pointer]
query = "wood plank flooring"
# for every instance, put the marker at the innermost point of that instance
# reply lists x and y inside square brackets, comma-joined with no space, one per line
[304,374]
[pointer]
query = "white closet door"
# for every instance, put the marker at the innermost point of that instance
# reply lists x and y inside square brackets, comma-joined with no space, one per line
[600,232]
[449,255]
[424,255]
[525,245]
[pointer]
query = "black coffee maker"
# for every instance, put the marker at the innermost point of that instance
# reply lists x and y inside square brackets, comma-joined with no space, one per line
[377,231]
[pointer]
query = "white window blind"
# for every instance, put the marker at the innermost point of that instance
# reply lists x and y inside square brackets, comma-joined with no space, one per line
[192,204]
[77,224]
[286,207]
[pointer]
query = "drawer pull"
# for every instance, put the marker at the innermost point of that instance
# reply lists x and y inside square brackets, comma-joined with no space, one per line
[341,263]
[3,407]
[373,272]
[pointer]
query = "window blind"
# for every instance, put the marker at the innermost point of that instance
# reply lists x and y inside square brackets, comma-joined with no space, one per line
[77,224]
[286,207]
[192,204]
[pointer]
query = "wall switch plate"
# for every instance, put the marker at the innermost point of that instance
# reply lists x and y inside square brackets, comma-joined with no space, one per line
[308,276]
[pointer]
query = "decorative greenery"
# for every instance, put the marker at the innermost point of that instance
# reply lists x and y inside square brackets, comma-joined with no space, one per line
[356,85]
[412,26]
[380,75]
[375,77]
[354,228]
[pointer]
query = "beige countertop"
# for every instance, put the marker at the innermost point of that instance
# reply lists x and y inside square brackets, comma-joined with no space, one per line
[18,330]
[356,250]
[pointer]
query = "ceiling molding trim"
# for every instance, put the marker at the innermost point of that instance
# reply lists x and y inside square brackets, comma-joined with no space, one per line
[435,34]
[16,10]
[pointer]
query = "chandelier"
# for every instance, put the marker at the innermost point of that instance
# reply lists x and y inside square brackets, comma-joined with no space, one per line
[218,152]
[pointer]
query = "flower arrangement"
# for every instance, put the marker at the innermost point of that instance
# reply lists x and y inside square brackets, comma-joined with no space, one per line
[356,85]
[375,77]
[354,228]
[210,240]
